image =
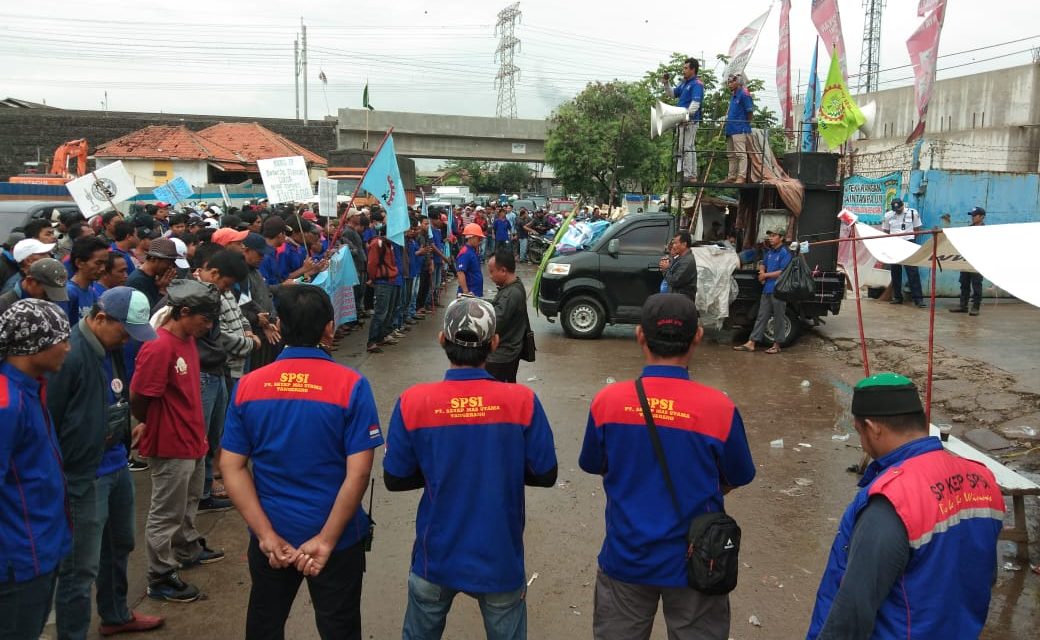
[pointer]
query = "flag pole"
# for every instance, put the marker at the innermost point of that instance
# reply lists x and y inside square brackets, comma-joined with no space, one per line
[353,196]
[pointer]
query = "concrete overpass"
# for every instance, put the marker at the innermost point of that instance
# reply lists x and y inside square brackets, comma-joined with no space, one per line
[425,135]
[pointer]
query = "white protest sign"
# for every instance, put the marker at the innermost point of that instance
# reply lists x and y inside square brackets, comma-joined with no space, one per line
[102,189]
[327,191]
[285,179]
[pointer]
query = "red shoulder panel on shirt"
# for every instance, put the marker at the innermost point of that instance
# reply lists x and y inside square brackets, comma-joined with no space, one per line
[299,379]
[675,403]
[5,393]
[466,402]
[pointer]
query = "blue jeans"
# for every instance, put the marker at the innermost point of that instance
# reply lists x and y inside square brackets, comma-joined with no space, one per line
[379,326]
[413,298]
[102,513]
[505,614]
[912,276]
[214,408]
[523,249]
[24,606]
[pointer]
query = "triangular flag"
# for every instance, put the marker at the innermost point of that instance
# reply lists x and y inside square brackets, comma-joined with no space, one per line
[383,180]
[364,99]
[839,117]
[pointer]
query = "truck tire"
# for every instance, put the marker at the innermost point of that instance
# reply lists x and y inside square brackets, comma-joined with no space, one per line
[583,317]
[789,330]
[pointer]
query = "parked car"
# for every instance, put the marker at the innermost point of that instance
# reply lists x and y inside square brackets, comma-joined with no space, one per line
[561,206]
[524,204]
[609,282]
[15,214]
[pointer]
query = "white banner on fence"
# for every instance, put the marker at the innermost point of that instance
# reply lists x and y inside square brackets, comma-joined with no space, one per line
[100,190]
[285,179]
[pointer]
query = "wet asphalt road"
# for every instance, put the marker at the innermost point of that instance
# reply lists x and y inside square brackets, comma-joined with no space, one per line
[788,514]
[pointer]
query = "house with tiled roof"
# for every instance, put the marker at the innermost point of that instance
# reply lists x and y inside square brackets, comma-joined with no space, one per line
[224,153]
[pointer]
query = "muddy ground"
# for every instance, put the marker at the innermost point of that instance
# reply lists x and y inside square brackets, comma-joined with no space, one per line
[788,514]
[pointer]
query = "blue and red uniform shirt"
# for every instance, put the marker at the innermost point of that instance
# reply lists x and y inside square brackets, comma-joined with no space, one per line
[472,438]
[468,263]
[688,92]
[271,267]
[775,260]
[290,257]
[953,511]
[34,525]
[705,447]
[502,229]
[298,420]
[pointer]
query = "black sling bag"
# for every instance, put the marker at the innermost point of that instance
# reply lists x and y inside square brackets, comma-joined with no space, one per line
[713,539]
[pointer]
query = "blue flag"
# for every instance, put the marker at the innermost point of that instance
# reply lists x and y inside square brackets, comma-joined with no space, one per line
[338,281]
[813,94]
[383,180]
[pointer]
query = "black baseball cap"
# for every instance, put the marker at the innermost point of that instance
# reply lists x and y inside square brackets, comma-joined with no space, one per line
[669,316]
[977,211]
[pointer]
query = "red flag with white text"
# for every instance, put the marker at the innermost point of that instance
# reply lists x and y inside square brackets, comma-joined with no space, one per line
[923,47]
[828,24]
[783,66]
[744,45]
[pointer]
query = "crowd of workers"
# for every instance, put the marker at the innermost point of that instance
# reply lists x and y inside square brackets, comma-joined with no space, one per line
[211,358]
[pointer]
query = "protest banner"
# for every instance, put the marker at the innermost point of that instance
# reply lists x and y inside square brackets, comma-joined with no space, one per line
[338,281]
[328,189]
[827,19]
[744,45]
[173,191]
[102,189]
[783,67]
[285,179]
[870,198]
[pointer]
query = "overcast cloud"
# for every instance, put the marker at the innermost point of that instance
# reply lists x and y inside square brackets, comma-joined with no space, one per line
[234,58]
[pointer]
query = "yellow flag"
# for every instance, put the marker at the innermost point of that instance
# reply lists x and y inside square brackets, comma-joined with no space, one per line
[838,117]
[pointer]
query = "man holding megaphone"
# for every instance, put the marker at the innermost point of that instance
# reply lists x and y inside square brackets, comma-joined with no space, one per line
[690,93]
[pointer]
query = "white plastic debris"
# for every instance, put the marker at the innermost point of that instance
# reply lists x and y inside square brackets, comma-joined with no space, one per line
[806,384]
[777,444]
[1011,567]
[533,379]
[803,482]
[754,621]
[841,437]
[534,576]
[610,380]
[805,445]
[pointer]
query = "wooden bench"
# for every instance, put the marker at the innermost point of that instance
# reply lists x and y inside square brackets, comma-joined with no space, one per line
[1011,484]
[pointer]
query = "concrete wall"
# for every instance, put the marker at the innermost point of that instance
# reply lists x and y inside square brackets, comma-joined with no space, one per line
[23,131]
[149,174]
[988,121]
[423,135]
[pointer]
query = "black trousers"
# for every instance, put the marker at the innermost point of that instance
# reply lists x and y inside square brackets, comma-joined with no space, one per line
[971,285]
[424,289]
[335,593]
[503,371]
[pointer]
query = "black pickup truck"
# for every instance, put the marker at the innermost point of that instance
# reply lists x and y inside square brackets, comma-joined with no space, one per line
[608,283]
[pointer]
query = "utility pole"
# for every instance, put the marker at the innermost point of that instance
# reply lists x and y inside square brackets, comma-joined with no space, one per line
[303,27]
[296,74]
[508,72]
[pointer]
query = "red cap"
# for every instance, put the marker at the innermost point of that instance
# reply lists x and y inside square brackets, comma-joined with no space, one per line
[309,215]
[162,205]
[226,236]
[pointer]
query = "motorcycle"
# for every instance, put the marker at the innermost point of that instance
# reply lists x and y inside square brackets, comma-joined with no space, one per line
[537,245]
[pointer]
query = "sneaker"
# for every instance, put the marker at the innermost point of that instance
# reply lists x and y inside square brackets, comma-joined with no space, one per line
[894,301]
[212,504]
[171,588]
[206,556]
[138,622]
[974,311]
[959,310]
[920,305]
[137,465]
[397,333]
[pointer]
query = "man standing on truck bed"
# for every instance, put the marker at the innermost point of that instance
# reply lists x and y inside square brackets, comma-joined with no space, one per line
[738,128]
[773,262]
[690,93]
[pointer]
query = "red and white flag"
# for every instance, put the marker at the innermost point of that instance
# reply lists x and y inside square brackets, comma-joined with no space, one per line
[744,45]
[828,24]
[923,47]
[928,5]
[783,66]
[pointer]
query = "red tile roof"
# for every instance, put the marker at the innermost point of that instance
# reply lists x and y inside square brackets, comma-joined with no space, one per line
[255,142]
[234,146]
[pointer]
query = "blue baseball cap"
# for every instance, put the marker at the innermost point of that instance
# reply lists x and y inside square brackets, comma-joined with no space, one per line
[130,307]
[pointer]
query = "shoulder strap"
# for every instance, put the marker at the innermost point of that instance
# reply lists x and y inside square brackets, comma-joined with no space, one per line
[648,416]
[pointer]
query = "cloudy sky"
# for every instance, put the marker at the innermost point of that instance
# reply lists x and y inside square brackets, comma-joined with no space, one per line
[220,57]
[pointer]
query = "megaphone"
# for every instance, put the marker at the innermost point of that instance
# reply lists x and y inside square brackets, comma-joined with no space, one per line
[664,116]
[869,112]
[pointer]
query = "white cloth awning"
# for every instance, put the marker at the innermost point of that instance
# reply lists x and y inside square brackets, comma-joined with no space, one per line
[1000,252]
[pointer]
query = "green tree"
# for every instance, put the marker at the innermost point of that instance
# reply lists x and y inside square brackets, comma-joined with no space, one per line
[602,134]
[476,174]
[512,177]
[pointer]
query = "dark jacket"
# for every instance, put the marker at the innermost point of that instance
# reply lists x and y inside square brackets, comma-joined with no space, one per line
[78,402]
[511,312]
[682,275]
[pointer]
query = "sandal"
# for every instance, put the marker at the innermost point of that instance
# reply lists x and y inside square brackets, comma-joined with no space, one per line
[744,347]
[773,350]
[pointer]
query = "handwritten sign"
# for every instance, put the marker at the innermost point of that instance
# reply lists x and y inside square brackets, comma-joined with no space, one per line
[285,179]
[174,191]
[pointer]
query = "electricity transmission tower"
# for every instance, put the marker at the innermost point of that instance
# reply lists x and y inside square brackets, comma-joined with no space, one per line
[870,55]
[508,73]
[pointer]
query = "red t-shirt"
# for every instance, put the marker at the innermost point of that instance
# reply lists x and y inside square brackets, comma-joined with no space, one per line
[167,371]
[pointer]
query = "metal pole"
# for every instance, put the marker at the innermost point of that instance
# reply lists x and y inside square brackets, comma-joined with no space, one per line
[353,196]
[296,74]
[304,36]
[931,336]
[859,304]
